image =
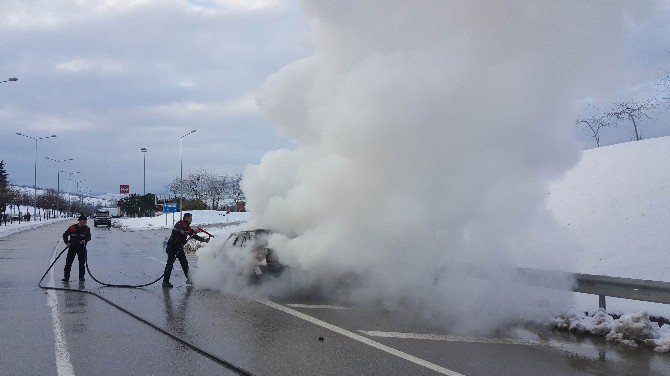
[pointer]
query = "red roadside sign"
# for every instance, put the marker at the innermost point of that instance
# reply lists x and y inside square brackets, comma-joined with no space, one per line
[124,189]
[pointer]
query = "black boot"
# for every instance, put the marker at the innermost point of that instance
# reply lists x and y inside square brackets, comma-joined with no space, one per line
[166,283]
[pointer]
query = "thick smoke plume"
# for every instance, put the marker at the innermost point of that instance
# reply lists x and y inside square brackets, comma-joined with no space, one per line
[427,133]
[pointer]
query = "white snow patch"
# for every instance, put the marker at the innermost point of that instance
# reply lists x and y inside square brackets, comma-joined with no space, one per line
[630,329]
[200,218]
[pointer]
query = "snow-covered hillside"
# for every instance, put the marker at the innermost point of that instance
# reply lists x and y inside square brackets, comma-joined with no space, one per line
[106,200]
[616,202]
[110,197]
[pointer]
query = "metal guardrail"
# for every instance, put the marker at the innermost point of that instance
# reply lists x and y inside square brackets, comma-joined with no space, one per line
[601,285]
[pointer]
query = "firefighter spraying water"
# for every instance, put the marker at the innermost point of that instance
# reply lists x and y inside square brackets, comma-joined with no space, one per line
[181,232]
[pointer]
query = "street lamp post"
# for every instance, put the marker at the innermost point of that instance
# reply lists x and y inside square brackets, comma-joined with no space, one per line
[58,164]
[77,188]
[69,193]
[69,189]
[35,185]
[79,193]
[181,175]
[10,79]
[144,152]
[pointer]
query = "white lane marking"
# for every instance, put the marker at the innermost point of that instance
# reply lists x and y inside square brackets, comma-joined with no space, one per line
[162,262]
[316,306]
[63,364]
[453,338]
[361,339]
[327,306]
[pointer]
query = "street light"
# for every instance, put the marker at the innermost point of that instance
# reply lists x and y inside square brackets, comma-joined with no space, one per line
[58,165]
[144,152]
[69,189]
[36,139]
[11,79]
[79,192]
[181,175]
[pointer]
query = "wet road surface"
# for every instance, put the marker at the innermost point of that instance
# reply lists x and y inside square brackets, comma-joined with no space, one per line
[70,333]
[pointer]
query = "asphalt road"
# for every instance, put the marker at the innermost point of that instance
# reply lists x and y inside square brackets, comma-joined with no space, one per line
[73,333]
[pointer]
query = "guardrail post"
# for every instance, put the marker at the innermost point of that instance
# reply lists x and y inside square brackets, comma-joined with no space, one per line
[601,302]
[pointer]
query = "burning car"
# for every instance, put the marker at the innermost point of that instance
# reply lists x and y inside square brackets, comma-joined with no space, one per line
[264,260]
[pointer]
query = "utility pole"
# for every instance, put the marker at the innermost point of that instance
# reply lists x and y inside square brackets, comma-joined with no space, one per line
[35,182]
[144,152]
[181,175]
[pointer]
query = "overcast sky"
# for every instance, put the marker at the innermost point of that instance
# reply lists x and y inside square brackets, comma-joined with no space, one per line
[109,77]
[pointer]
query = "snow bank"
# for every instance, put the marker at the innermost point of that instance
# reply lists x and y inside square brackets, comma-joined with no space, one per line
[200,218]
[14,228]
[629,329]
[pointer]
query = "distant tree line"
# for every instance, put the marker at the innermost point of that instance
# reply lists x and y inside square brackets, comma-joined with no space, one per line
[135,205]
[48,201]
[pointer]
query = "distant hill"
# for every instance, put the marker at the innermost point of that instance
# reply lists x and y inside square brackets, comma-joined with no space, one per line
[106,200]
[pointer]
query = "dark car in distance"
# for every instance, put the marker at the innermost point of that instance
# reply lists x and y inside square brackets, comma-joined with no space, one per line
[102,218]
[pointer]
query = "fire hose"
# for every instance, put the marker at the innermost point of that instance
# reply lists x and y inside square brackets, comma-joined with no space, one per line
[205,231]
[191,346]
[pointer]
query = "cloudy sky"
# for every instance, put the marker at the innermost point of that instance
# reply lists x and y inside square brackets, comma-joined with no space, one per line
[109,77]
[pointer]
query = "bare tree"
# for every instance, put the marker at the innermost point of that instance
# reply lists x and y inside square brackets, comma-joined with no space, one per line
[202,184]
[215,188]
[195,183]
[594,122]
[192,186]
[663,89]
[634,111]
[176,187]
[236,192]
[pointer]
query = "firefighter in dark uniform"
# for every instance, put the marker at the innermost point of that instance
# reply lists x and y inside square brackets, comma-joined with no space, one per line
[175,247]
[75,238]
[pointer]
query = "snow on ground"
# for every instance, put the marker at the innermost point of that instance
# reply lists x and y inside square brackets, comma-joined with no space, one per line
[629,329]
[200,218]
[16,227]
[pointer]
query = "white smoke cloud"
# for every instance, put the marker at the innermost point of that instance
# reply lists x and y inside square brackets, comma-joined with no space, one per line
[427,133]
